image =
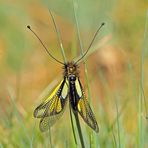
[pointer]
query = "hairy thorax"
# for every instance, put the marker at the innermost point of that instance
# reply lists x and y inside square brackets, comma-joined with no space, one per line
[71,69]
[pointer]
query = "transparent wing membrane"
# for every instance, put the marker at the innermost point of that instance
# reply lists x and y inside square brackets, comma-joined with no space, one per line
[53,107]
[84,109]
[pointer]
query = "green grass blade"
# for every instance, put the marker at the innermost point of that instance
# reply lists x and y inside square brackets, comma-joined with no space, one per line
[79,129]
[72,124]
[143,51]
[1,145]
[50,138]
[114,139]
[141,89]
[118,126]
[17,115]
[59,37]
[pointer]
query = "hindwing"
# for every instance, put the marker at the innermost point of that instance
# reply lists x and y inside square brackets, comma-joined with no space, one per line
[84,108]
[53,106]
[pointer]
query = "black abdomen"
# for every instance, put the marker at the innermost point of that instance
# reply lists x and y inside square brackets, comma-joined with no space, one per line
[73,93]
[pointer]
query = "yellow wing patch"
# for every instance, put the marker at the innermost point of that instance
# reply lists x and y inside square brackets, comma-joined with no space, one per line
[78,87]
[84,108]
[87,114]
[53,92]
[53,107]
[81,107]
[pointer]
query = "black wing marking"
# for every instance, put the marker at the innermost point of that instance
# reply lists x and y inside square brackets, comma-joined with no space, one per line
[53,107]
[83,107]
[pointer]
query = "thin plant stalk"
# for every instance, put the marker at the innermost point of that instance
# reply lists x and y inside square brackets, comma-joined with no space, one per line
[85,66]
[66,144]
[75,114]
[142,65]
[141,92]
[114,139]
[79,129]
[82,51]
[81,48]
[32,137]
[59,36]
[120,112]
[72,124]
[118,126]
[12,96]
[18,84]
[50,139]
[65,60]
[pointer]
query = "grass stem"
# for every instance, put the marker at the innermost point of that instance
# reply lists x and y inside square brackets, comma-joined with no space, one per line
[118,126]
[59,36]
[72,124]
[79,129]
[65,60]
[141,88]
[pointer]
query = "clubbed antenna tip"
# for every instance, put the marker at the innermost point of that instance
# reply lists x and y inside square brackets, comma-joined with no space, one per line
[91,42]
[28,27]
[103,24]
[44,45]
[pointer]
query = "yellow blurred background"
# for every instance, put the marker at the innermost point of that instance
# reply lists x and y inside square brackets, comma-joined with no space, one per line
[113,65]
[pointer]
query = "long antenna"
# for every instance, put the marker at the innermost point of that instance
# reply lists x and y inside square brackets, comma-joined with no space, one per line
[44,46]
[94,37]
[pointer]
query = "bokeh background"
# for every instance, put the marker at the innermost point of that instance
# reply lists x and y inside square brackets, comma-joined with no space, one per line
[114,77]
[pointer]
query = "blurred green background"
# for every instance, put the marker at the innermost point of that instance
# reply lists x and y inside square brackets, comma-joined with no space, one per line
[114,78]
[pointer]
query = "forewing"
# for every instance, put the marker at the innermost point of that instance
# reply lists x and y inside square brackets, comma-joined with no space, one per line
[83,107]
[53,107]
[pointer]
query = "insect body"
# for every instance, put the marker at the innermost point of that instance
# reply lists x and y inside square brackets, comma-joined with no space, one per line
[53,107]
[70,87]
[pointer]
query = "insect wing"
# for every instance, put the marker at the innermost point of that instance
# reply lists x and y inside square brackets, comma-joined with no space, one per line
[53,107]
[83,107]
